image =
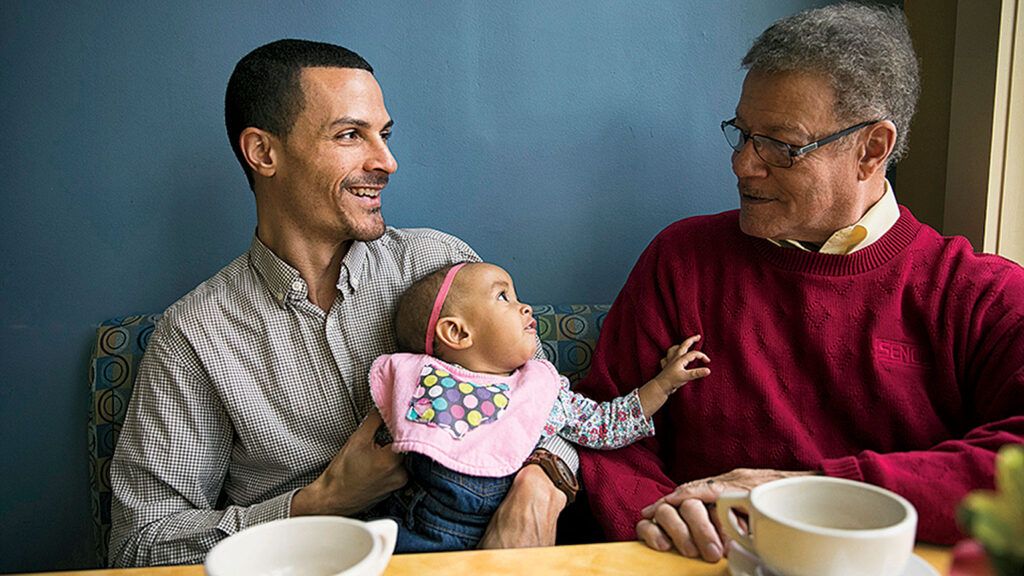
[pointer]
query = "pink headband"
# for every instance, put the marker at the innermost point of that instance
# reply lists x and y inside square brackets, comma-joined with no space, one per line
[442,293]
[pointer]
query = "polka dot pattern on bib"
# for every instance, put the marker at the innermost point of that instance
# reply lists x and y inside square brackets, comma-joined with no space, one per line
[454,405]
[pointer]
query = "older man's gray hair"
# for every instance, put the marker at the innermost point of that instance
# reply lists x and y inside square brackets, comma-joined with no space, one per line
[863,51]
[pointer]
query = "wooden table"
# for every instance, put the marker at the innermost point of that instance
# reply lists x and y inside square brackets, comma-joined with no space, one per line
[596,559]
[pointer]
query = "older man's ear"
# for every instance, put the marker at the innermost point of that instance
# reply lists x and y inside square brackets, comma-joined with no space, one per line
[876,146]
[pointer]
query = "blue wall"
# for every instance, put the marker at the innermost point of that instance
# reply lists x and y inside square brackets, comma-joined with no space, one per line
[556,138]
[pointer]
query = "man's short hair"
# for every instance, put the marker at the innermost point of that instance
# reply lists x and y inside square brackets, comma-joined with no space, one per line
[265,89]
[414,307]
[863,51]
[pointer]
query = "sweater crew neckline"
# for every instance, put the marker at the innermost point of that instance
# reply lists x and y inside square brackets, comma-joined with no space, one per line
[880,252]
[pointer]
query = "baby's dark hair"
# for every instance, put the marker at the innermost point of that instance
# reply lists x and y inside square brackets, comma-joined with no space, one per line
[413,310]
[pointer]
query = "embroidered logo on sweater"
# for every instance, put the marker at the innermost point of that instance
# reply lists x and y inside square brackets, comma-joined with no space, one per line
[901,353]
[455,405]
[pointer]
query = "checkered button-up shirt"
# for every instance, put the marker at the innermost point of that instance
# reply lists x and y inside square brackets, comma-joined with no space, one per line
[248,390]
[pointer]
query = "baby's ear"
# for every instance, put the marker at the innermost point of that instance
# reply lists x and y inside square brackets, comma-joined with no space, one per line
[453,333]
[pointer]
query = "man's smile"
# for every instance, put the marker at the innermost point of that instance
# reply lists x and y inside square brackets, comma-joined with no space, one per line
[366,192]
[752,196]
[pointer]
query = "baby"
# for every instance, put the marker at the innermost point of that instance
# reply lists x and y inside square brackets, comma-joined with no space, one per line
[468,402]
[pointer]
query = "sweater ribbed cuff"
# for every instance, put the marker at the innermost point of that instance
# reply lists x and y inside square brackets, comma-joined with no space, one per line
[846,467]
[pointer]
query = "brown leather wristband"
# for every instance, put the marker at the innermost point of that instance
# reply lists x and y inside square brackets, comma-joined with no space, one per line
[556,469]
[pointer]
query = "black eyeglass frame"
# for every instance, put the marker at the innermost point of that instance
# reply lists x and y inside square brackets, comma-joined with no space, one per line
[793,150]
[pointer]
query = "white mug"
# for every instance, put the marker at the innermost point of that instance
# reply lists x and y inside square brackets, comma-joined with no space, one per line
[822,526]
[306,546]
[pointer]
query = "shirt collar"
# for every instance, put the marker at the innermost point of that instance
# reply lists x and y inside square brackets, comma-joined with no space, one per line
[282,281]
[861,234]
[285,283]
[352,266]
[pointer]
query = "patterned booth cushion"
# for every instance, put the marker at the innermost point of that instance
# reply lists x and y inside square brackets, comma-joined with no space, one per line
[120,343]
[568,333]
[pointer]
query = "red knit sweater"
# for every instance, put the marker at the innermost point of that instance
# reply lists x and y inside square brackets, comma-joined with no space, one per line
[901,365]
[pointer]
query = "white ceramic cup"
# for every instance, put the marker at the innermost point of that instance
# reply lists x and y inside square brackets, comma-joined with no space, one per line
[306,546]
[821,526]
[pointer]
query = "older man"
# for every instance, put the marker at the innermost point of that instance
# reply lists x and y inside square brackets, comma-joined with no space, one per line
[251,398]
[849,339]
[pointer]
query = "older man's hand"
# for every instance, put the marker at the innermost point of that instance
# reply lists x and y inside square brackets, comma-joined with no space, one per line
[685,518]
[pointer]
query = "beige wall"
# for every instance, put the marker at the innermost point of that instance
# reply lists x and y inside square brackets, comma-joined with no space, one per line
[1010,242]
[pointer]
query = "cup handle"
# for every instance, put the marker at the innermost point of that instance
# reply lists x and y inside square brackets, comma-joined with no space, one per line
[727,520]
[387,531]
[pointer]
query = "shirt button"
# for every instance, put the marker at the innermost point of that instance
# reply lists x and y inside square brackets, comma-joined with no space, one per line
[297,285]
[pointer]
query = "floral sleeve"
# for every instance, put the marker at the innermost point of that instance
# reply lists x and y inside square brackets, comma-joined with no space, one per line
[599,425]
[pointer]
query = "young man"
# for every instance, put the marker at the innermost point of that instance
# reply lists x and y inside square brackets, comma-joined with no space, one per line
[251,402]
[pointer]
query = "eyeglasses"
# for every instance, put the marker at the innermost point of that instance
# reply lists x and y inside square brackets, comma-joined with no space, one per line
[775,152]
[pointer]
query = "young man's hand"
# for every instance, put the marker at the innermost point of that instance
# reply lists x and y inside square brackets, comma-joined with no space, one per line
[528,516]
[360,475]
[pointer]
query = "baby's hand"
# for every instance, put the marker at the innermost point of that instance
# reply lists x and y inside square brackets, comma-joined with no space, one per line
[674,373]
[674,366]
